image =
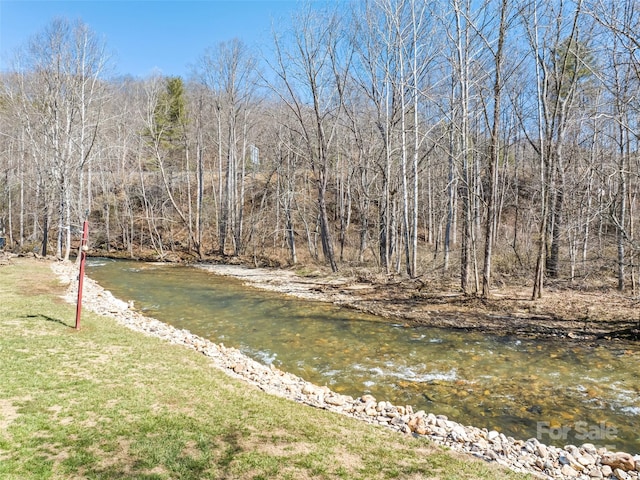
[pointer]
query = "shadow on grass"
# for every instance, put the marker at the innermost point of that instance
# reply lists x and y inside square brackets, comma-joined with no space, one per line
[231,452]
[178,464]
[50,319]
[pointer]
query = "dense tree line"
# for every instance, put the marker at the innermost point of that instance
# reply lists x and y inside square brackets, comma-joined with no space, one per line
[459,137]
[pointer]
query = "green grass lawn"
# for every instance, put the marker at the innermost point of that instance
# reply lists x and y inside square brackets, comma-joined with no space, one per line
[107,403]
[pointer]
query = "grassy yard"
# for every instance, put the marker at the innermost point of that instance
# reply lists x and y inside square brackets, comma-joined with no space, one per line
[108,403]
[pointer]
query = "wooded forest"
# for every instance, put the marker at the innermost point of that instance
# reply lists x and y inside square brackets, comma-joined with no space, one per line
[468,139]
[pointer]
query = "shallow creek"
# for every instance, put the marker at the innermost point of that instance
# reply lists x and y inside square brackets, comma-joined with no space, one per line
[559,391]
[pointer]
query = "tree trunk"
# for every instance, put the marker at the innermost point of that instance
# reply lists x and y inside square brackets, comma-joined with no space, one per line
[494,157]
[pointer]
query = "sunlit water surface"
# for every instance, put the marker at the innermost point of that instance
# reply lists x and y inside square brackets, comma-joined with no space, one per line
[556,391]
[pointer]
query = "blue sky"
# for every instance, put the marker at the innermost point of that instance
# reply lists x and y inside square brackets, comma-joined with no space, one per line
[148,35]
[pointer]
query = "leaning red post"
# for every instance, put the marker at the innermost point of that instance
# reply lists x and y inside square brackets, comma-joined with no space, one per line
[83,257]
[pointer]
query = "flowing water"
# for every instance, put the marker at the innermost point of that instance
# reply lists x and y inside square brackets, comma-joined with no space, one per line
[558,391]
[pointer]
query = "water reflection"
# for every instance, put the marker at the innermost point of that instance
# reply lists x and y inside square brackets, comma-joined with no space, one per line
[522,387]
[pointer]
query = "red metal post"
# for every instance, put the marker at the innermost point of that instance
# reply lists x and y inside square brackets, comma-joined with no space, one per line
[83,257]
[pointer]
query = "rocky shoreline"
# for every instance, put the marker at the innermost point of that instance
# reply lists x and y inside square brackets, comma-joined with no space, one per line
[582,462]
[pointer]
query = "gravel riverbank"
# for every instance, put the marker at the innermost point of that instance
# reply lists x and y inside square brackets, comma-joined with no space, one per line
[530,456]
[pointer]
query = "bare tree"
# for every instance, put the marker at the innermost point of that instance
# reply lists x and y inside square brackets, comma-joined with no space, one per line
[560,64]
[494,149]
[229,73]
[622,78]
[61,97]
[463,52]
[311,74]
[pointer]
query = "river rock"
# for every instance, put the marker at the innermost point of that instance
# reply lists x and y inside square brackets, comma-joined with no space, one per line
[418,425]
[308,389]
[239,368]
[529,447]
[491,455]
[335,401]
[595,472]
[398,422]
[480,445]
[542,450]
[371,412]
[585,460]
[568,471]
[619,460]
[573,450]
[620,474]
[573,461]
